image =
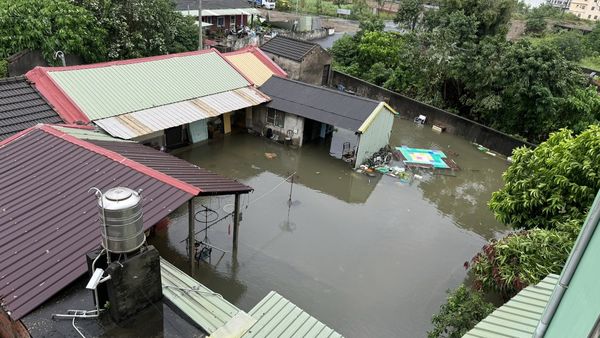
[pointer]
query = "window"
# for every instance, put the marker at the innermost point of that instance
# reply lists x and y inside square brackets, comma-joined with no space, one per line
[275,117]
[220,21]
[232,22]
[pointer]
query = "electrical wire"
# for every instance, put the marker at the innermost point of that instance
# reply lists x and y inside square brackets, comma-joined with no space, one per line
[270,191]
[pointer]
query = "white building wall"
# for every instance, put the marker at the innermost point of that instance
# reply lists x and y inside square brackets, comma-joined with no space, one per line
[376,136]
[291,122]
[339,137]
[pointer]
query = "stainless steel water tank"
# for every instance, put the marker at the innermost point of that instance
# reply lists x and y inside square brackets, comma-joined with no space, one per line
[124,231]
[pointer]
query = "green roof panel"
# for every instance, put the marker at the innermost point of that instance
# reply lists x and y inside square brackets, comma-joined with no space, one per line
[278,317]
[520,315]
[115,89]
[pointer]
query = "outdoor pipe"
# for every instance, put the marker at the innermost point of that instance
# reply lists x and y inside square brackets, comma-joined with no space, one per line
[587,232]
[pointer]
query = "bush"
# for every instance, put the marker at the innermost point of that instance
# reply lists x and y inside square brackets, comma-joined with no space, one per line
[508,265]
[464,308]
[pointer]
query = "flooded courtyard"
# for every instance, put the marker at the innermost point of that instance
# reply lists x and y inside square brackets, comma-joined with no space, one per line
[368,256]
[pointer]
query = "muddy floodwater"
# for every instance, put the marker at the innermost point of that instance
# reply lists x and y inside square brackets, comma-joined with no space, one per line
[368,256]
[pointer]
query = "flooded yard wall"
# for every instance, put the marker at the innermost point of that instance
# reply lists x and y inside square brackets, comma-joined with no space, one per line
[409,108]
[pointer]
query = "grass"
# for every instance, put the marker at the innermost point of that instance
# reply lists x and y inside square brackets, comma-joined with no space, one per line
[591,62]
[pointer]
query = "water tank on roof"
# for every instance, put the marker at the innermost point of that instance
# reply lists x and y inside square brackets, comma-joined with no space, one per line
[121,220]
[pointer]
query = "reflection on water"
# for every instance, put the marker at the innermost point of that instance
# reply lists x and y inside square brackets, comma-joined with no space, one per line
[367,256]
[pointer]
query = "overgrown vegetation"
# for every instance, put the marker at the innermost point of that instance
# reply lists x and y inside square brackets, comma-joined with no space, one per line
[96,30]
[457,58]
[463,309]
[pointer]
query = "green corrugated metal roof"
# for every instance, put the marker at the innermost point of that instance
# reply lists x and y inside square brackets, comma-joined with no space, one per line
[278,317]
[520,315]
[112,90]
[84,134]
[207,309]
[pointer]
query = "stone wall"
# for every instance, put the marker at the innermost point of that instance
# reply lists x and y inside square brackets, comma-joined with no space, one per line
[409,108]
[310,70]
[314,34]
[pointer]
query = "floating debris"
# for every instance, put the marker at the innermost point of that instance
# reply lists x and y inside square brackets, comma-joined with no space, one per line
[270,156]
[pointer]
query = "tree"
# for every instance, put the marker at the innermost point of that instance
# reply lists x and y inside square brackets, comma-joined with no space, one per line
[535,24]
[138,28]
[409,12]
[492,15]
[464,308]
[552,184]
[521,88]
[50,26]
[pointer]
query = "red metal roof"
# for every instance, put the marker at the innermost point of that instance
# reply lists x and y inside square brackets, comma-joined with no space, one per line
[206,181]
[264,58]
[49,220]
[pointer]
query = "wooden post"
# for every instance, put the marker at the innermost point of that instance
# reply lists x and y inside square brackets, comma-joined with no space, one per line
[191,234]
[236,221]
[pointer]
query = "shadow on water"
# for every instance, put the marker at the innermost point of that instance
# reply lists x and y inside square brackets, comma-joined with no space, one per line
[367,256]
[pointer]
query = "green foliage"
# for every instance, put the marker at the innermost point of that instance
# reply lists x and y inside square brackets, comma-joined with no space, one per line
[552,184]
[593,40]
[521,88]
[143,28]
[508,265]
[3,68]
[464,308]
[409,12]
[370,24]
[591,62]
[492,16]
[50,26]
[535,25]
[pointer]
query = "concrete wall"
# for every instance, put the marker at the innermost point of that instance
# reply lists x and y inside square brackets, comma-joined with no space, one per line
[314,34]
[291,122]
[376,136]
[22,62]
[338,138]
[409,108]
[310,70]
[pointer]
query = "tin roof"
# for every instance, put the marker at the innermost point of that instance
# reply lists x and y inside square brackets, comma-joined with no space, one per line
[206,181]
[289,48]
[97,91]
[254,64]
[318,103]
[278,317]
[147,121]
[49,219]
[520,315]
[207,309]
[21,107]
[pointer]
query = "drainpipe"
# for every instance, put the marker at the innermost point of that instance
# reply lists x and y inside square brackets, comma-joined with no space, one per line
[587,232]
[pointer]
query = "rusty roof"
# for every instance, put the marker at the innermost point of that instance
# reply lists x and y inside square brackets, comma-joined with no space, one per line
[49,220]
[21,107]
[208,182]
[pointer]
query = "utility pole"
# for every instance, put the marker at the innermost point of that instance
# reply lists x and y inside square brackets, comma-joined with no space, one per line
[200,44]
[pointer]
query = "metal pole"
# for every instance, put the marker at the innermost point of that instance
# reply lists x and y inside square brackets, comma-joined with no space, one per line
[291,187]
[236,221]
[191,234]
[200,44]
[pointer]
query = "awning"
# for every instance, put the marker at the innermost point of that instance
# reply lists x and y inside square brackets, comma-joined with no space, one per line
[147,121]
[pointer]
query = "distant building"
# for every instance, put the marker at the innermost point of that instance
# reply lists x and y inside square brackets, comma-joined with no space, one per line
[220,15]
[563,4]
[585,9]
[302,60]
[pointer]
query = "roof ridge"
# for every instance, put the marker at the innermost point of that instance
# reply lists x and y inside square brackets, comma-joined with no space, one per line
[12,79]
[325,88]
[235,68]
[172,181]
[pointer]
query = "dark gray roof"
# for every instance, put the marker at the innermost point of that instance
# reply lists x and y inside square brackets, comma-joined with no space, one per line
[183,5]
[317,103]
[49,220]
[21,107]
[289,48]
